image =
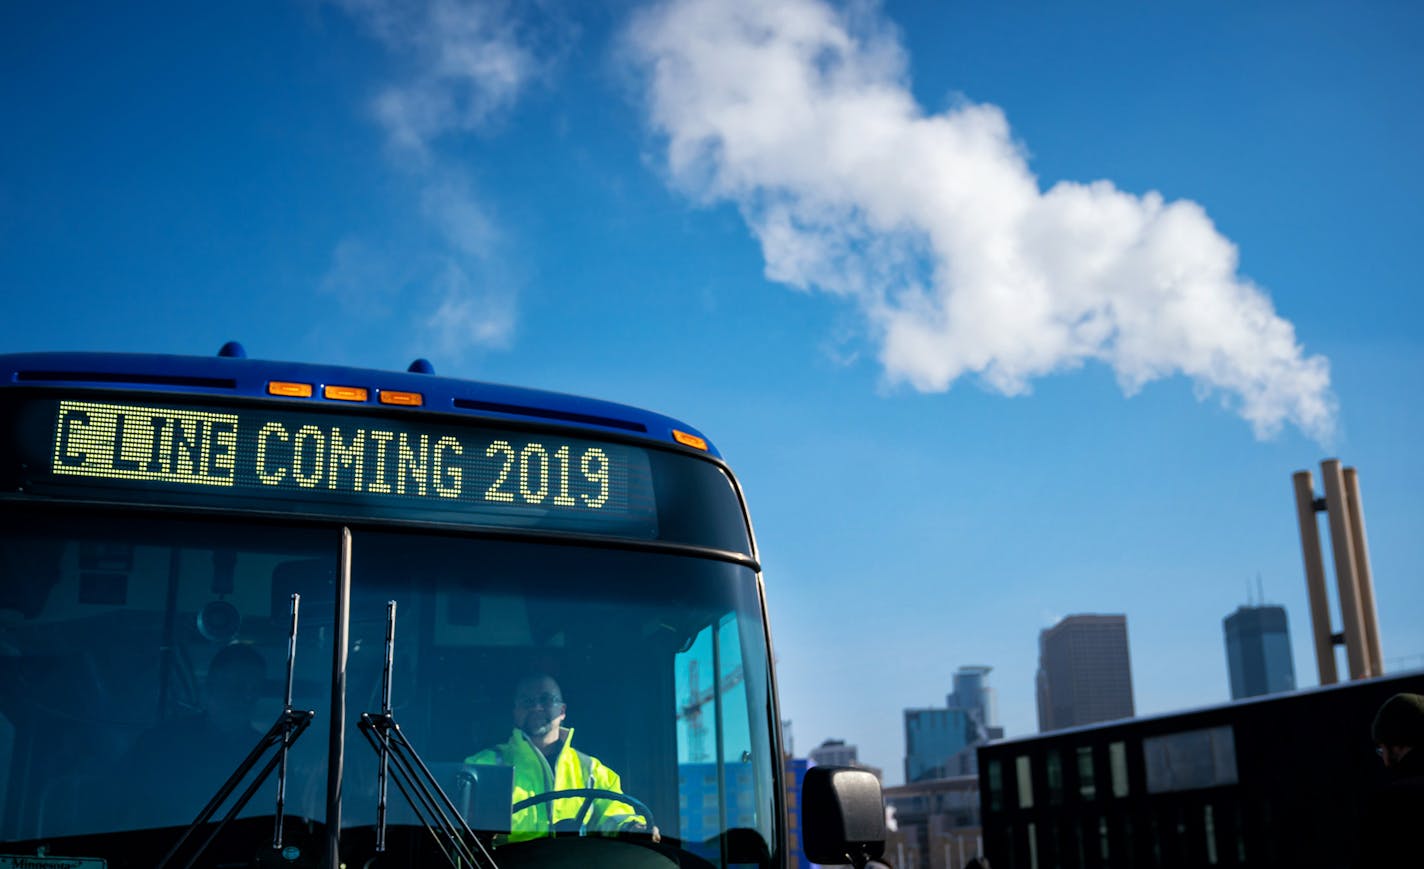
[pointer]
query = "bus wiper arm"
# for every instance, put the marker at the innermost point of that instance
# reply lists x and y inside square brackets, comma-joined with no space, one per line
[413,778]
[284,732]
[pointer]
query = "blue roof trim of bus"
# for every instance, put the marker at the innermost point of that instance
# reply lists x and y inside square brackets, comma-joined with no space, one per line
[216,375]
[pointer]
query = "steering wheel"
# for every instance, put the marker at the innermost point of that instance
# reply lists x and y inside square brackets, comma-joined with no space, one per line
[589,795]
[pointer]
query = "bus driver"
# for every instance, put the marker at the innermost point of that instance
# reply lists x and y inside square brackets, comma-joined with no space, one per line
[541,752]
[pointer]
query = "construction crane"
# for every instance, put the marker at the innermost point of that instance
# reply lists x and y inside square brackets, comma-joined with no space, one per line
[691,708]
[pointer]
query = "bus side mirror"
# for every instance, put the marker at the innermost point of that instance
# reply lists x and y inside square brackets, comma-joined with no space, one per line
[842,816]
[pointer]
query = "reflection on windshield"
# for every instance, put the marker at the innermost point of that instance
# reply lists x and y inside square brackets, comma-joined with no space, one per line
[140,660]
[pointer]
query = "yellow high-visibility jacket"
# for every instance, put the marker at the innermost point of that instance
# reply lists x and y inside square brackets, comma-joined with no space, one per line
[571,769]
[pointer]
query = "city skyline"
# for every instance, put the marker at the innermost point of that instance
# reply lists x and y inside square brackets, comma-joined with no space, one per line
[997,314]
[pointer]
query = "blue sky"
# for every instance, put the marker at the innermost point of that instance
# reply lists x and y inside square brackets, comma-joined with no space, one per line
[967,389]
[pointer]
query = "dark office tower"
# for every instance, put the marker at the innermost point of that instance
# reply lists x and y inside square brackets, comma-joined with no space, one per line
[1084,674]
[1258,651]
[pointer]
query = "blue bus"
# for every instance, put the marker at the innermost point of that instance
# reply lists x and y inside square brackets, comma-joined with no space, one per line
[258,613]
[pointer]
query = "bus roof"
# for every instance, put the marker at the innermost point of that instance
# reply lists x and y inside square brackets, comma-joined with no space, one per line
[238,376]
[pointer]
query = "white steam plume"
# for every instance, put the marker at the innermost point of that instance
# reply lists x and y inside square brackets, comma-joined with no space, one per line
[463,62]
[934,225]
[467,58]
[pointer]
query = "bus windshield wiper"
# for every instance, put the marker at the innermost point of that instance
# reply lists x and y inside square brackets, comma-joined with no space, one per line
[283,733]
[413,778]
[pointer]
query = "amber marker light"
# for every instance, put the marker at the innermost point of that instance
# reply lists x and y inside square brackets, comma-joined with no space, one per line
[404,399]
[689,440]
[291,390]
[346,393]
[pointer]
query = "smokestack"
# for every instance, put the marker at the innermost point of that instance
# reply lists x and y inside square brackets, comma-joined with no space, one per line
[1362,570]
[1360,629]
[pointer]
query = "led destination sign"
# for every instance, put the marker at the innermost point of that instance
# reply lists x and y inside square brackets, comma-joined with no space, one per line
[353,464]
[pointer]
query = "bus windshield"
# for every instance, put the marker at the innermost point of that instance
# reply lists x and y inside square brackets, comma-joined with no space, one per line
[142,657]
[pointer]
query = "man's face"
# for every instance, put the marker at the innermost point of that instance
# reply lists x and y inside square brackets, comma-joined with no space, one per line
[1392,754]
[538,707]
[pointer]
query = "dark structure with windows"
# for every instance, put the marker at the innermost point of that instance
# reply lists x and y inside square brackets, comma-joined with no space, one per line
[1273,781]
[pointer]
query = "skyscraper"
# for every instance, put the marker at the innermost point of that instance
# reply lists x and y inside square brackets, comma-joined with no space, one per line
[1084,673]
[939,742]
[834,752]
[1258,652]
[932,736]
[972,692]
